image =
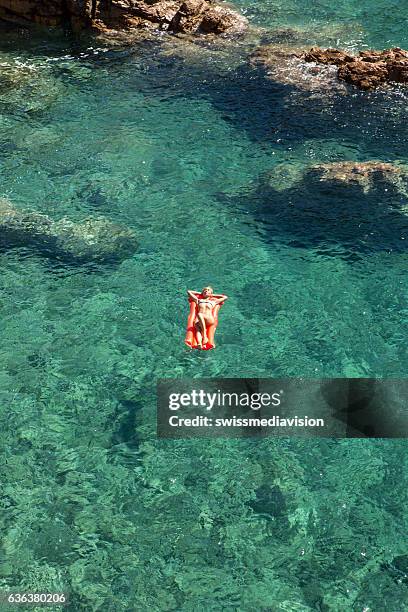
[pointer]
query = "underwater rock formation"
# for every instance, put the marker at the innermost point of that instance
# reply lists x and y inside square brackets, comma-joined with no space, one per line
[367,176]
[104,15]
[368,69]
[29,86]
[319,34]
[97,239]
[13,76]
[342,209]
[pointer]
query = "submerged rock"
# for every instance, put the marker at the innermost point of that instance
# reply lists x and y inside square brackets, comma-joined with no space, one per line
[368,69]
[108,15]
[28,86]
[367,176]
[92,240]
[13,76]
[319,33]
[285,175]
[342,209]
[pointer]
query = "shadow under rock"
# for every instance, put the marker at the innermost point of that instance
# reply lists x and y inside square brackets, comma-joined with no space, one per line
[338,219]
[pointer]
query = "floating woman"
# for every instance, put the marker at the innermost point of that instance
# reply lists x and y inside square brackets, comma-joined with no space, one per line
[203,318]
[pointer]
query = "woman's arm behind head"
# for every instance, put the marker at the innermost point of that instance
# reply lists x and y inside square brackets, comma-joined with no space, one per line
[193,295]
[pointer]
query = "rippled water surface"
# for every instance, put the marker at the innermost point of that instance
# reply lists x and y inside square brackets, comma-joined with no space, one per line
[177,141]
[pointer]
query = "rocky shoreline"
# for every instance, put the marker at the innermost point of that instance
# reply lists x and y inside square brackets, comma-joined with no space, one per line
[188,16]
[285,59]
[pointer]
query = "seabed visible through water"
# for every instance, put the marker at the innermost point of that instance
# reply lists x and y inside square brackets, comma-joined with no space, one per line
[178,148]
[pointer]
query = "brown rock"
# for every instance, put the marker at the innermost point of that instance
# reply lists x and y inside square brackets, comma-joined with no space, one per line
[189,16]
[159,13]
[398,71]
[364,74]
[81,12]
[49,13]
[220,19]
[203,16]
[383,56]
[368,69]
[328,56]
[104,15]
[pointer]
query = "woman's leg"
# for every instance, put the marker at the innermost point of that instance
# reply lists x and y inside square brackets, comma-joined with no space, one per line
[199,336]
[203,327]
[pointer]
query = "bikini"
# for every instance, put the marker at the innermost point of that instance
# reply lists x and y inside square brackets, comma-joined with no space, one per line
[205,302]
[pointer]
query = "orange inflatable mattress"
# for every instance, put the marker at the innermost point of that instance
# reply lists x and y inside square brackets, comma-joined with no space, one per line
[191,338]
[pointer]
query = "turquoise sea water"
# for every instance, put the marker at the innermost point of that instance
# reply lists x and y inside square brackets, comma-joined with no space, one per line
[176,141]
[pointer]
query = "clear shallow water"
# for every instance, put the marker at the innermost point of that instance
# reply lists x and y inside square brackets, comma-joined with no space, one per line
[177,147]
